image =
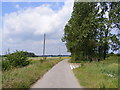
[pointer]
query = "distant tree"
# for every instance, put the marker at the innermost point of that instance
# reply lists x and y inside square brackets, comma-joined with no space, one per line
[29,54]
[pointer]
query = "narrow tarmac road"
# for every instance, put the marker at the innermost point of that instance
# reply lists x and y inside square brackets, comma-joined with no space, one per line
[60,76]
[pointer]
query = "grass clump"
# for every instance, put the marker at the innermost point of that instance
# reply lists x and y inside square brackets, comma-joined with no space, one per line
[24,77]
[103,74]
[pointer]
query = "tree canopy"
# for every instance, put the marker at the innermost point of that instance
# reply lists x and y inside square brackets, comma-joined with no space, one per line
[88,33]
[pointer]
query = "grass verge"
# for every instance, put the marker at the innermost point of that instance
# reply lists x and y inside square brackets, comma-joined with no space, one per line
[102,74]
[24,77]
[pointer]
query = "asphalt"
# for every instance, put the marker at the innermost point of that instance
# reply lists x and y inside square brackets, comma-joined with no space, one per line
[60,76]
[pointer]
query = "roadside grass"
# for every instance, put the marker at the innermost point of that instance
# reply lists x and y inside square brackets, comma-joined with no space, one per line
[0,79]
[35,59]
[0,72]
[26,76]
[52,58]
[0,58]
[72,61]
[103,74]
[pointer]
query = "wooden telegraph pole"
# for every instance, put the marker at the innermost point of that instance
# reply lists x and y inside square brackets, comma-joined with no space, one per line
[44,47]
[59,53]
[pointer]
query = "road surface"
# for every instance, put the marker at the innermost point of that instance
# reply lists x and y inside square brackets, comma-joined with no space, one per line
[60,76]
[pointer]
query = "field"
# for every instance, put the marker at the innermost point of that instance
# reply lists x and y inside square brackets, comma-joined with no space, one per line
[26,76]
[103,74]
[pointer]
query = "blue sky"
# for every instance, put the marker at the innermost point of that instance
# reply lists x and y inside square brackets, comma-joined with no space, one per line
[0,28]
[8,7]
[24,24]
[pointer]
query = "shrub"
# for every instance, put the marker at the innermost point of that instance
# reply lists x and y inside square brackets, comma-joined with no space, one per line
[16,59]
[5,65]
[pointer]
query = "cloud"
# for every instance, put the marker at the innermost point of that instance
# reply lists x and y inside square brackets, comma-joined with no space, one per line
[30,24]
[34,0]
[17,6]
[38,20]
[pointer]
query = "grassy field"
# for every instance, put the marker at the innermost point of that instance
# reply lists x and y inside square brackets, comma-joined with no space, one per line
[53,58]
[103,74]
[24,77]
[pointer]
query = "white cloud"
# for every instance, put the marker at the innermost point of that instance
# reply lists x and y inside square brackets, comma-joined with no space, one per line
[27,24]
[17,6]
[34,0]
[37,20]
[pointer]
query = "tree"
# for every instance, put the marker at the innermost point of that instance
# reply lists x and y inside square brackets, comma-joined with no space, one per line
[109,19]
[114,17]
[80,31]
[29,54]
[88,33]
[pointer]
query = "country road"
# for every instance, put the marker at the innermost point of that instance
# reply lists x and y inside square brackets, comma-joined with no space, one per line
[60,76]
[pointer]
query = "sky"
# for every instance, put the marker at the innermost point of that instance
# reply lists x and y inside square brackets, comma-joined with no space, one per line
[24,25]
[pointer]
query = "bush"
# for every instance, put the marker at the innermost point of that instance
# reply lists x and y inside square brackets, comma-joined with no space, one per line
[5,65]
[16,59]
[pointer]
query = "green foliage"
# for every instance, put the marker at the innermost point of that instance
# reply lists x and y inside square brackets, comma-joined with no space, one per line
[16,59]
[78,31]
[5,65]
[88,33]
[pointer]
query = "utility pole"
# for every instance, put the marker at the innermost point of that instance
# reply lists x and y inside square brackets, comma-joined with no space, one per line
[44,47]
[59,52]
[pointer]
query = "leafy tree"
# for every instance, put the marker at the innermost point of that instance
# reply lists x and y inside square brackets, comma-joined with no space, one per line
[106,25]
[88,33]
[114,17]
[80,31]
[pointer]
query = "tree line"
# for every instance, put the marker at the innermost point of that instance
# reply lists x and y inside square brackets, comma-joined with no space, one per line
[27,54]
[88,33]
